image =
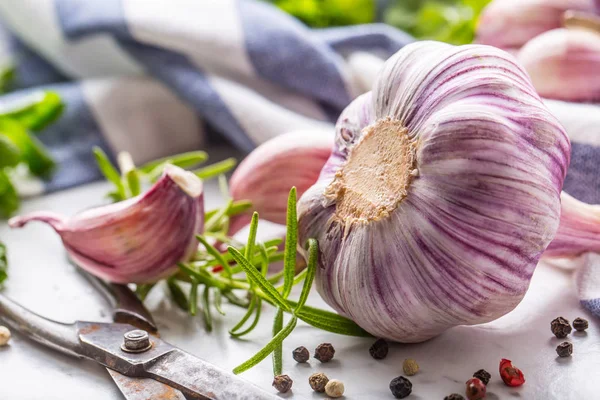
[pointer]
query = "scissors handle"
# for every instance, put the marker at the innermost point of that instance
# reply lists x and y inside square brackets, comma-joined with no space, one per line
[59,336]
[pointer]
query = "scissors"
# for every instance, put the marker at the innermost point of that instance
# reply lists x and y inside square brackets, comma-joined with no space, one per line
[141,364]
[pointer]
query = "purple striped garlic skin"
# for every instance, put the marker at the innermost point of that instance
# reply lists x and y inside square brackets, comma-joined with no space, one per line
[139,240]
[440,196]
[564,63]
[509,24]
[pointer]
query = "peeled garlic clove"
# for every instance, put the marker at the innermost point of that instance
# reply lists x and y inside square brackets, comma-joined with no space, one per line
[139,240]
[440,196]
[267,174]
[564,63]
[511,23]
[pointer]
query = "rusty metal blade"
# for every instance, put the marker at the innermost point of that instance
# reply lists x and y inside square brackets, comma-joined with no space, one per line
[144,389]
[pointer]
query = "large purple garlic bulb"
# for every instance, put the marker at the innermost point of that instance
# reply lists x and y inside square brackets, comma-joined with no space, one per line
[440,196]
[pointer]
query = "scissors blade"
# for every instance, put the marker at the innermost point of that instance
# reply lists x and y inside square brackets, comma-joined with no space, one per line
[144,388]
[193,375]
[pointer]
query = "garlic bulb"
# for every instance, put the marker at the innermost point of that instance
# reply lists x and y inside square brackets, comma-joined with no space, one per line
[138,240]
[564,63]
[509,24]
[441,194]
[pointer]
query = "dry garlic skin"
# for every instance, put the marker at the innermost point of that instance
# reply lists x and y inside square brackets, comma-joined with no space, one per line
[441,193]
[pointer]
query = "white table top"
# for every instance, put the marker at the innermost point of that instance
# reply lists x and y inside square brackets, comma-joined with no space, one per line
[41,279]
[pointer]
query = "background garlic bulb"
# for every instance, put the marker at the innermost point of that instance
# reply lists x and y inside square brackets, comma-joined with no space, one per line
[441,194]
[137,240]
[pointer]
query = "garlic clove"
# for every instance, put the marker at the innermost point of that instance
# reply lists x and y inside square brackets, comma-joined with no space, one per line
[139,240]
[564,63]
[578,231]
[266,176]
[511,23]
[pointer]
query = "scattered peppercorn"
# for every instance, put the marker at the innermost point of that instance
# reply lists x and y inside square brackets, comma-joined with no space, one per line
[318,382]
[475,389]
[282,383]
[379,349]
[483,375]
[580,324]
[454,396]
[565,349]
[560,327]
[400,387]
[334,388]
[324,352]
[511,375]
[301,354]
[4,336]
[410,367]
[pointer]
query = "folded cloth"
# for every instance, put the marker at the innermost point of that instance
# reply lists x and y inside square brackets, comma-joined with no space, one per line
[147,76]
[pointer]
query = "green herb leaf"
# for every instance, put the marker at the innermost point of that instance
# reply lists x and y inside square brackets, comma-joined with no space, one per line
[142,290]
[193,295]
[32,151]
[253,302]
[218,300]
[216,254]
[278,350]
[313,254]
[323,13]
[7,75]
[291,239]
[36,111]
[233,299]
[10,155]
[177,294]
[258,309]
[184,160]
[133,182]
[206,308]
[252,236]
[268,349]
[110,173]
[237,207]
[3,264]
[329,321]
[9,199]
[259,280]
[215,169]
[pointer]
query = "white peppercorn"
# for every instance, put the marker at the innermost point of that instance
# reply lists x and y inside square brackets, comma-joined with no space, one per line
[334,388]
[4,336]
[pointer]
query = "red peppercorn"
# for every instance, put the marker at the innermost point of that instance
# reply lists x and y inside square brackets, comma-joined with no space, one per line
[511,375]
[475,389]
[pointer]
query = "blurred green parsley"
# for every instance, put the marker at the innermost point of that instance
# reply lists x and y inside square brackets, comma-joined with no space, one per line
[451,21]
[18,146]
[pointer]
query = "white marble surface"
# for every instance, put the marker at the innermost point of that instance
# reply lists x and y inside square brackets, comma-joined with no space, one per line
[42,280]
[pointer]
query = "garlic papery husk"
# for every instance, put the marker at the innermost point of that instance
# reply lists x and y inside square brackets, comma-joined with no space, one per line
[564,63]
[267,174]
[440,196]
[139,240]
[509,24]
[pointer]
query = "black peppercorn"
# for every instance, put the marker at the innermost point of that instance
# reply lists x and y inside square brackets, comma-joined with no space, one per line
[483,375]
[565,349]
[379,349]
[580,324]
[301,354]
[454,396]
[560,327]
[318,382]
[324,352]
[282,383]
[400,387]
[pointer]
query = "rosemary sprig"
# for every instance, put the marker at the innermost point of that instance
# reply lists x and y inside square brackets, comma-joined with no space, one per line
[3,264]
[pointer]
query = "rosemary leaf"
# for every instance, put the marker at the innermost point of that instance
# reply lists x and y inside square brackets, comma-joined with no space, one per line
[313,254]
[216,169]
[110,173]
[142,290]
[194,296]
[177,294]
[329,321]
[246,317]
[236,208]
[206,308]
[133,182]
[278,350]
[216,254]
[218,301]
[259,280]
[254,322]
[224,187]
[291,238]
[183,160]
[268,349]
[264,256]
[212,223]
[3,263]
[233,299]
[251,236]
